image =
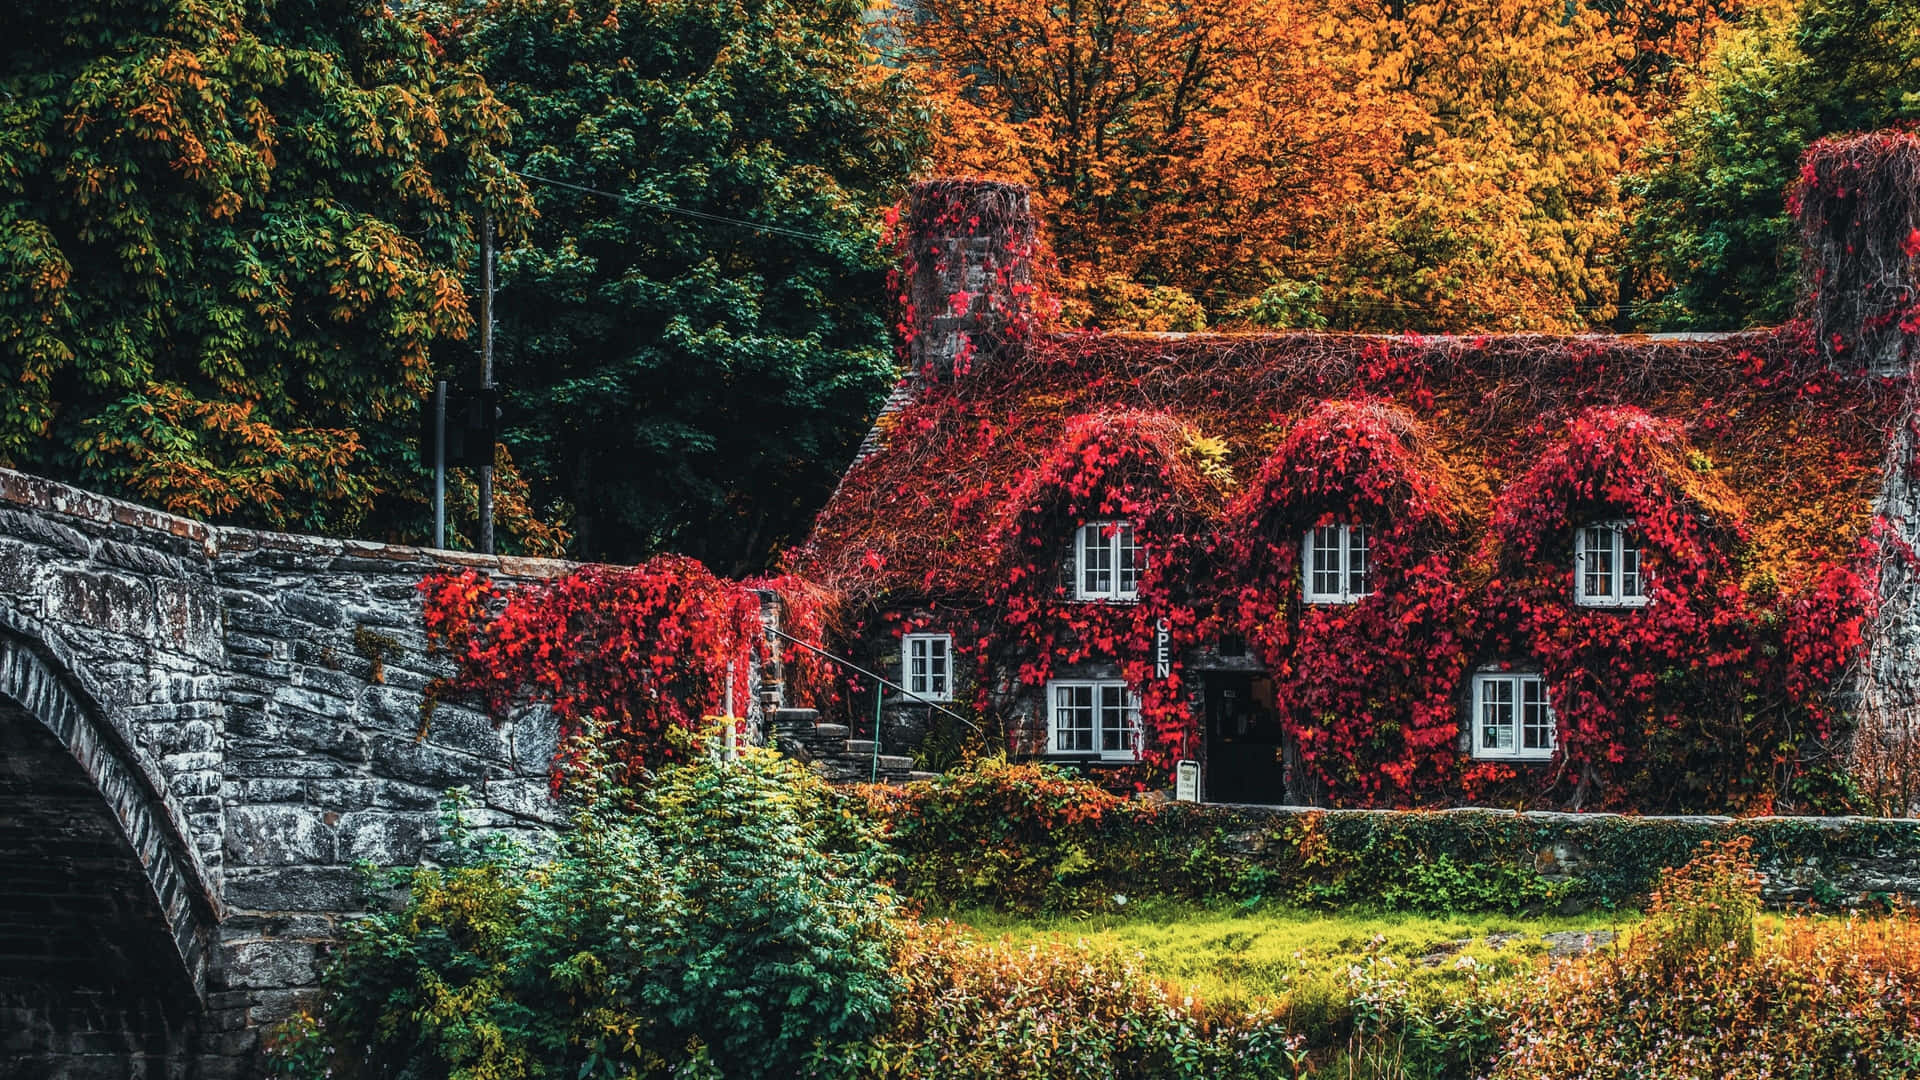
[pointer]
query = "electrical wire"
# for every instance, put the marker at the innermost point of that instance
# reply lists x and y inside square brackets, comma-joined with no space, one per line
[669,208]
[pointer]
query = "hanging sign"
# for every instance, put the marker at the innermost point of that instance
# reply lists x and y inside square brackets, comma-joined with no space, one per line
[1186,781]
[1162,649]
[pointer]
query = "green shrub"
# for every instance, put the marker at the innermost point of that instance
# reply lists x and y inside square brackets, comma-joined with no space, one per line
[725,921]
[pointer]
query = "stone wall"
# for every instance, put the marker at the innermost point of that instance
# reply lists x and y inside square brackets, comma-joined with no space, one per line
[206,730]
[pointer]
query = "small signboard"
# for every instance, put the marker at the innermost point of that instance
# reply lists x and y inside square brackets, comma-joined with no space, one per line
[1162,649]
[1186,781]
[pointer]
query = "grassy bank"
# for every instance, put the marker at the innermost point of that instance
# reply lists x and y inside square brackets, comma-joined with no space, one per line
[1251,956]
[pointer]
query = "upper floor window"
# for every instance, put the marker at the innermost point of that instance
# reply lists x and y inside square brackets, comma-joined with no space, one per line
[1093,716]
[1512,717]
[1339,564]
[1109,560]
[1606,566]
[929,665]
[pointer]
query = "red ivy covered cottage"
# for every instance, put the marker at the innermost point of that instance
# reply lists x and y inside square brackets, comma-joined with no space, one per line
[1582,571]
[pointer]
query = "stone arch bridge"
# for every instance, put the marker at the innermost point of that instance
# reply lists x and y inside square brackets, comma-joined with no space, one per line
[202,732]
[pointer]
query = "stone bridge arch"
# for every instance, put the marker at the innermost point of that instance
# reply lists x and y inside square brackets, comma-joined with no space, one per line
[107,923]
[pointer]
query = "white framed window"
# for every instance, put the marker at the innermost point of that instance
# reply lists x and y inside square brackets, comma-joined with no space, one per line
[1512,717]
[1337,564]
[1607,569]
[1093,716]
[928,660]
[1109,561]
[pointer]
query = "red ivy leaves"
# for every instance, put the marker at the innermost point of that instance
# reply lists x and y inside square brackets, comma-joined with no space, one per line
[635,652]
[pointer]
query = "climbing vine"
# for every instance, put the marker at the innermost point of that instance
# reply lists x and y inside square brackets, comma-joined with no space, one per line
[1858,204]
[633,654]
[1747,463]
[1365,689]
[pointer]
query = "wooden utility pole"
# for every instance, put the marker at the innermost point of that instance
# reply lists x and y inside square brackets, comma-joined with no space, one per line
[486,377]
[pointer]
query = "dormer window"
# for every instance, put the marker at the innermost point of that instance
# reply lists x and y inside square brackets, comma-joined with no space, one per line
[928,660]
[1109,561]
[1338,562]
[1512,718]
[1606,566]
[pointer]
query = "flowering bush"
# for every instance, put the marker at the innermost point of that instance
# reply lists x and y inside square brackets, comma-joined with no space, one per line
[1697,993]
[633,655]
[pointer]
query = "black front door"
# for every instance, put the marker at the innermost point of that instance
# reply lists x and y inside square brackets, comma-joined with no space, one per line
[1244,743]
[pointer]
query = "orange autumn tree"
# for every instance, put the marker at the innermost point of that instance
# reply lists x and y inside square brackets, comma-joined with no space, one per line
[1206,147]
[1503,211]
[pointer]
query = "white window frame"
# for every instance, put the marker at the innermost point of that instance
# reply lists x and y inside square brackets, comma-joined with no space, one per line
[1518,691]
[926,665]
[1615,584]
[1113,542]
[1352,572]
[1105,702]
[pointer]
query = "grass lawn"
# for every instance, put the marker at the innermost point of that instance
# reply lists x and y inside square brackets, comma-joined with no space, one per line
[1269,954]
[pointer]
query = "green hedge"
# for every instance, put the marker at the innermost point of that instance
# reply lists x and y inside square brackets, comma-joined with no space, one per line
[1033,837]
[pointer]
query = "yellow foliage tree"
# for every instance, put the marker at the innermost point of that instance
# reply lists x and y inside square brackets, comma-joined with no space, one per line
[1207,147]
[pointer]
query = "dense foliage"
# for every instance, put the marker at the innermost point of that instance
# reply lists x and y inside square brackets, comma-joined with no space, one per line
[1313,162]
[636,655]
[1714,240]
[1701,993]
[232,234]
[693,334]
[728,922]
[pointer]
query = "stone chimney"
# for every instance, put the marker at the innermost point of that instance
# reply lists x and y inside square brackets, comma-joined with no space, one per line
[1858,206]
[967,275]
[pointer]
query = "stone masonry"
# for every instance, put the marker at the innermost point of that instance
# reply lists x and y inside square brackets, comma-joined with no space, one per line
[205,731]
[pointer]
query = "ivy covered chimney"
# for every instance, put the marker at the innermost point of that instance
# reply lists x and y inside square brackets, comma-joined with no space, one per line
[1858,205]
[965,281]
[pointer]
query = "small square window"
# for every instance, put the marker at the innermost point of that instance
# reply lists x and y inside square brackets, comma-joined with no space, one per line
[928,660]
[1607,570]
[1094,716]
[1110,561]
[1338,564]
[1512,717]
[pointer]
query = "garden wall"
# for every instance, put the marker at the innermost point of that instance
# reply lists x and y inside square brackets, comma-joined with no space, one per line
[1014,836]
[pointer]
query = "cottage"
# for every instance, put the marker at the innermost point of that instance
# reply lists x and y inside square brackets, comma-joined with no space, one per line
[1656,573]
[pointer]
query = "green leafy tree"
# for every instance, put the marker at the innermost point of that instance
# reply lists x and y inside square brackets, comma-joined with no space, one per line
[230,233]
[682,380]
[1713,243]
[726,922]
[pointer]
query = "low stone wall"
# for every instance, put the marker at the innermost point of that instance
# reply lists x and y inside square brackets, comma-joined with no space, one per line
[1004,838]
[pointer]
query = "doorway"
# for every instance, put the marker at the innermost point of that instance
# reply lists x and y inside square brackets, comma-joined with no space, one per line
[1244,741]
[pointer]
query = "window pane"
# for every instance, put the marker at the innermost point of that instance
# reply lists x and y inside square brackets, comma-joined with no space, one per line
[917,664]
[1132,560]
[1496,714]
[1073,718]
[1598,553]
[1326,561]
[937,665]
[1536,716]
[1096,562]
[1629,565]
[1359,561]
[1115,735]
